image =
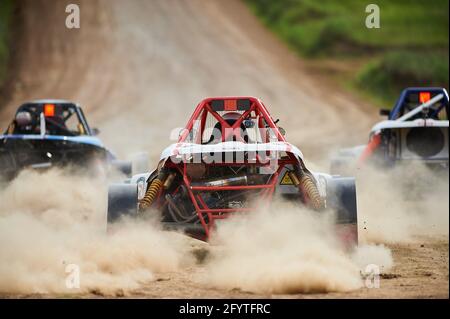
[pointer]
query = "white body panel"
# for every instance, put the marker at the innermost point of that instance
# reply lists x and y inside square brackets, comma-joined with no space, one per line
[410,124]
[182,149]
[321,180]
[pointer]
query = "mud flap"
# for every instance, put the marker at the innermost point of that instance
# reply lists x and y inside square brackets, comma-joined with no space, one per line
[122,201]
[341,197]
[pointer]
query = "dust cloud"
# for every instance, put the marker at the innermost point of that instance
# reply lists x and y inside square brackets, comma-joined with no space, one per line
[402,204]
[372,254]
[291,250]
[285,251]
[50,221]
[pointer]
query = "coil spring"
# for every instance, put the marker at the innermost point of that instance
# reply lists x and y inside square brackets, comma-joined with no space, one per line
[150,194]
[310,188]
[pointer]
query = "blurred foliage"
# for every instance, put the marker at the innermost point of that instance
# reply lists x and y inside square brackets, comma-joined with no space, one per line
[6,10]
[387,75]
[410,48]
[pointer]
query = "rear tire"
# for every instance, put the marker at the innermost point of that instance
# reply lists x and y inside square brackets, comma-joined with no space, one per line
[341,197]
[122,201]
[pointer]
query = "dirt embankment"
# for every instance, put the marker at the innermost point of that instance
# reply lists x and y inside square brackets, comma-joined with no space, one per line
[140,67]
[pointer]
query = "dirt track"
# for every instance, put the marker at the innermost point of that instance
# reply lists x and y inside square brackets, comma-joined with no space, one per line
[421,271]
[139,68]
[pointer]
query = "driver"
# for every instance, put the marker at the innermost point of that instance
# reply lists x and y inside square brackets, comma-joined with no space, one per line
[230,118]
[22,124]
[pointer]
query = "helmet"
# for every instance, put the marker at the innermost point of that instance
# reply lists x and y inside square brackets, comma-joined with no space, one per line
[23,118]
[230,118]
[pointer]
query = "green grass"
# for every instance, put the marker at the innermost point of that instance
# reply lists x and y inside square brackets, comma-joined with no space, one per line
[391,72]
[6,10]
[410,48]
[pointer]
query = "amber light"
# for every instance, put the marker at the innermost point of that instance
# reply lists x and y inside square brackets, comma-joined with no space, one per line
[49,109]
[424,97]
[230,105]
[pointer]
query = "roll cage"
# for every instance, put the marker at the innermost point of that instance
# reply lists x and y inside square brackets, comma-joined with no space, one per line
[65,111]
[249,108]
[413,97]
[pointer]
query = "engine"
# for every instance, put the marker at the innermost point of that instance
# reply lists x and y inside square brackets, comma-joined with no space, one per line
[179,207]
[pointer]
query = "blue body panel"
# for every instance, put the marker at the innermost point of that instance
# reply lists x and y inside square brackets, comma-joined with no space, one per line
[84,139]
[76,139]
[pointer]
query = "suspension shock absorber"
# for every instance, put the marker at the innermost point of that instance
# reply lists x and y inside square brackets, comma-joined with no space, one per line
[305,182]
[152,190]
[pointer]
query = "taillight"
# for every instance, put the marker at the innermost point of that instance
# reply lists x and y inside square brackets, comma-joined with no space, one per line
[49,110]
[424,97]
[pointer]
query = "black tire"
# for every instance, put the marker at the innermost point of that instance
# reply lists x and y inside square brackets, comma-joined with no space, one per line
[341,197]
[122,201]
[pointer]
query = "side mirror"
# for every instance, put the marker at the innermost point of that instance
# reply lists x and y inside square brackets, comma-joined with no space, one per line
[385,112]
[282,131]
[95,131]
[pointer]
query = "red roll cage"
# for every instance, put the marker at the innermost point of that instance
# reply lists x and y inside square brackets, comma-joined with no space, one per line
[250,107]
[245,104]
